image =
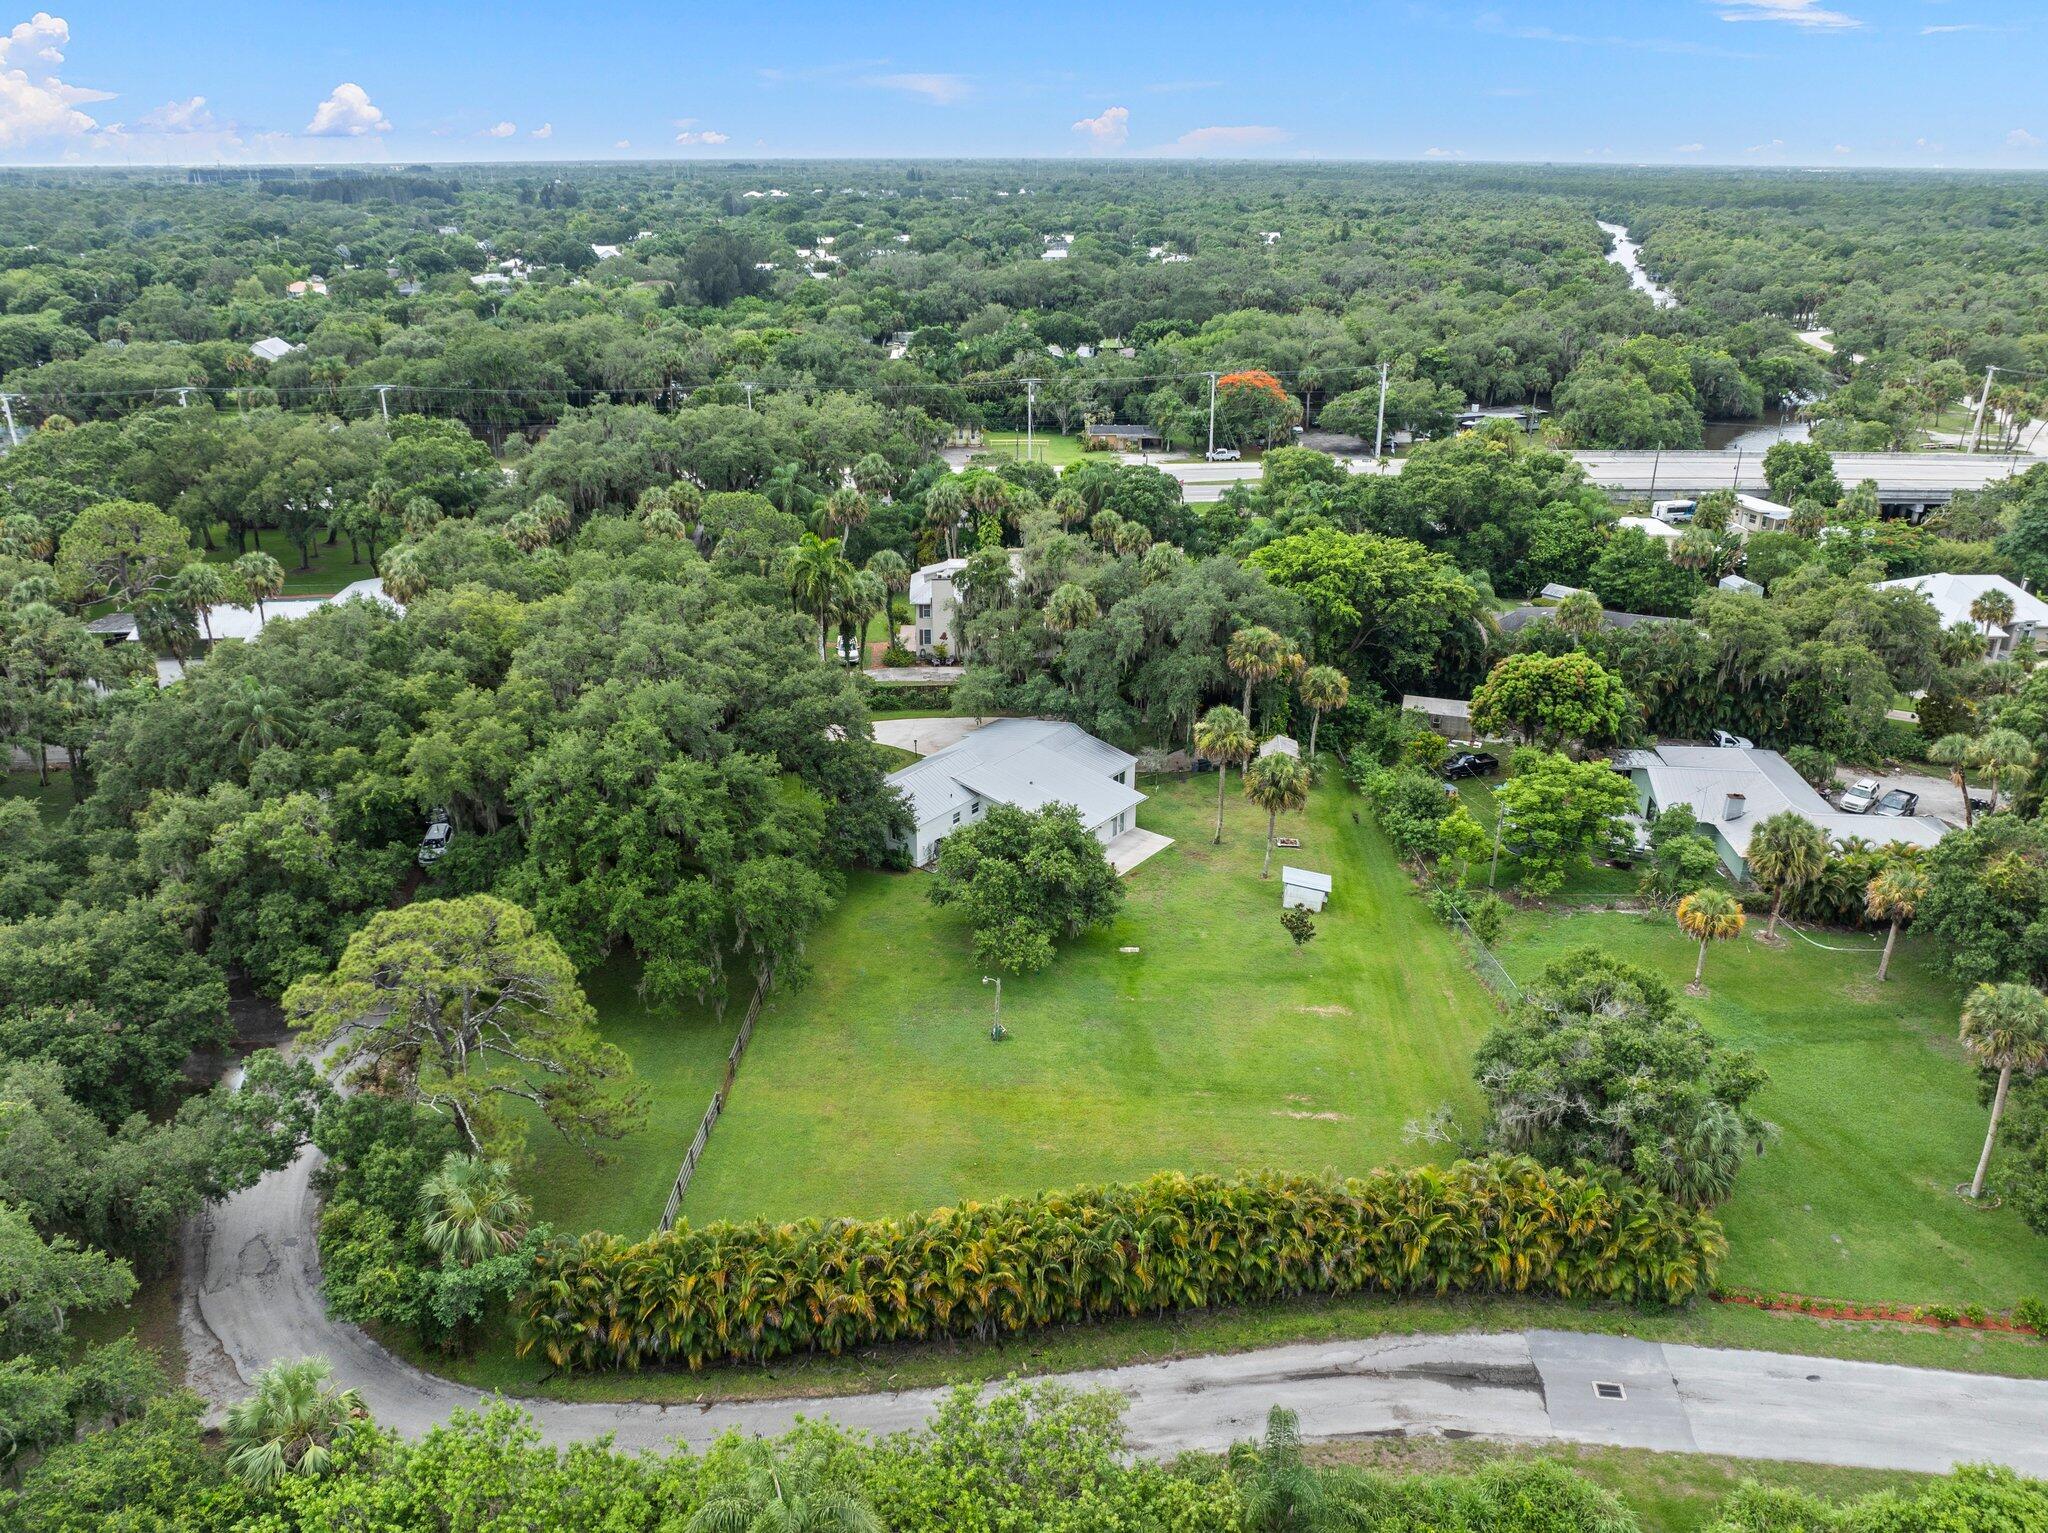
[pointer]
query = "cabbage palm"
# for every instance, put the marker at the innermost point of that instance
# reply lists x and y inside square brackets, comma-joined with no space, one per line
[845,509]
[1325,689]
[1277,784]
[289,1425]
[1786,853]
[1958,753]
[1709,915]
[261,576]
[2004,755]
[404,574]
[945,507]
[1223,736]
[1070,607]
[777,1496]
[1893,896]
[470,1210]
[199,588]
[1993,609]
[2004,1028]
[819,580]
[1258,655]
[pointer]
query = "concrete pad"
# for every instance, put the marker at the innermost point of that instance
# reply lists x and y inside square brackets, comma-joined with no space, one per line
[924,736]
[1649,1414]
[1134,846]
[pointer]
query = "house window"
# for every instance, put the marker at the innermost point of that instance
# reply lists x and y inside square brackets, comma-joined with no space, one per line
[924,609]
[956,817]
[924,637]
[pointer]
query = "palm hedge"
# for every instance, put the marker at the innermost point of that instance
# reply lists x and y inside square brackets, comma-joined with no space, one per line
[755,1291]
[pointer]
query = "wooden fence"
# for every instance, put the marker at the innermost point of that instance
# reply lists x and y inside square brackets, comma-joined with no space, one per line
[718,1098]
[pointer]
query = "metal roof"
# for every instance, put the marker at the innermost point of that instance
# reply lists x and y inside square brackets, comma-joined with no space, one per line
[1302,878]
[1703,776]
[1025,762]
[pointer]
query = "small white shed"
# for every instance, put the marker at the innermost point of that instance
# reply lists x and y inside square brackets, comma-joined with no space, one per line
[1281,745]
[1298,886]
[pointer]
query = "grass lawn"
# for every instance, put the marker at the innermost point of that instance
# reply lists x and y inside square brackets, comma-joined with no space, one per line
[1046,447]
[875,1090]
[1668,1492]
[1588,886]
[1877,1109]
[331,569]
[54,800]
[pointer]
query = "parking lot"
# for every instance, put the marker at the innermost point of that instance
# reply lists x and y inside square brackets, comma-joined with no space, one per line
[1938,796]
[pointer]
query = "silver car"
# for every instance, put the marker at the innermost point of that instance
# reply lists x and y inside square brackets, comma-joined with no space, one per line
[1861,796]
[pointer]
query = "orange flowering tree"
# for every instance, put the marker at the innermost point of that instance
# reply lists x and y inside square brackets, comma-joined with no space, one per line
[1252,407]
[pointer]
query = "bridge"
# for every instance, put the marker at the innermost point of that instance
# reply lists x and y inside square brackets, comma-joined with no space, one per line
[1912,482]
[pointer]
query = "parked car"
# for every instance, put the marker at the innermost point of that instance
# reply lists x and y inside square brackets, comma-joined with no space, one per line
[435,842]
[1733,742]
[1861,796]
[1899,804]
[1470,764]
[1224,455]
[1979,805]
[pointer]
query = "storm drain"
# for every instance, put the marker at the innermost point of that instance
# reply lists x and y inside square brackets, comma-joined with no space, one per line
[1607,1391]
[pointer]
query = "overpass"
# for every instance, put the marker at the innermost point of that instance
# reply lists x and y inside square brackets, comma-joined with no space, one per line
[1912,482]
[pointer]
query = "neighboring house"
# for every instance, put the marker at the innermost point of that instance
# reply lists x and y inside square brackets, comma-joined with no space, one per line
[272,348]
[1125,437]
[1557,590]
[1653,529]
[934,609]
[1733,791]
[1281,745]
[1299,886]
[1450,717]
[1755,514]
[241,622]
[605,252]
[1027,763]
[1952,596]
[1739,585]
[1515,619]
[312,287]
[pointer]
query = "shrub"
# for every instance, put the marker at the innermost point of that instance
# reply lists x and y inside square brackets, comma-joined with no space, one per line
[2033,1312]
[754,1291]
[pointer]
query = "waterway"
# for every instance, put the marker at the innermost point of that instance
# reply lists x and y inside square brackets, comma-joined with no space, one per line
[1627,254]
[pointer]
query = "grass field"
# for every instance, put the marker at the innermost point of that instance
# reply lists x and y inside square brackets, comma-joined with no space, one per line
[875,1089]
[1877,1111]
[1046,447]
[54,800]
[1588,885]
[331,569]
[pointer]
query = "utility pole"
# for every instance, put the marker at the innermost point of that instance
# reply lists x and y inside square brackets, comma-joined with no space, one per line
[1499,819]
[1212,415]
[995,1033]
[1977,424]
[384,401]
[184,399]
[1030,406]
[1379,430]
[7,409]
[1736,482]
[1656,463]
[750,394]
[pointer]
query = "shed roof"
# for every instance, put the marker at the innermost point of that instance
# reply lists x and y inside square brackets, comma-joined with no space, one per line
[1302,878]
[1026,762]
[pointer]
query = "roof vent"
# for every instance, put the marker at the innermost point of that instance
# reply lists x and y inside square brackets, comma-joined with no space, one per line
[1735,806]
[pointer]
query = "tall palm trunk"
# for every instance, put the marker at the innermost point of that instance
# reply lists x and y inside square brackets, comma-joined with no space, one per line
[1315,722]
[1222,781]
[1701,967]
[1777,905]
[1963,784]
[1997,1107]
[1247,699]
[1884,964]
[1272,821]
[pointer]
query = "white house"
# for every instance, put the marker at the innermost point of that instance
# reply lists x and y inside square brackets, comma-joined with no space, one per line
[243,622]
[1299,886]
[1952,596]
[1732,791]
[605,252]
[272,348]
[1755,514]
[1027,763]
[934,609]
[1659,532]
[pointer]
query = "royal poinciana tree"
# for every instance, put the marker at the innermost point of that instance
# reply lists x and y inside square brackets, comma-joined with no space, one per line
[466,1008]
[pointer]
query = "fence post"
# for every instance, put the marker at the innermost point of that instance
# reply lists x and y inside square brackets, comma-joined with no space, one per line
[691,1156]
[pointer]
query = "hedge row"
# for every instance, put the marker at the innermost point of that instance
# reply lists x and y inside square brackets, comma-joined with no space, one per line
[755,1291]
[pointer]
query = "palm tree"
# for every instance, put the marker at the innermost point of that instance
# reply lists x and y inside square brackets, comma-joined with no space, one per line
[1277,783]
[819,580]
[873,476]
[845,509]
[199,588]
[2005,1028]
[470,1210]
[257,716]
[554,514]
[775,1496]
[1325,689]
[865,596]
[289,1425]
[1992,609]
[1893,896]
[526,530]
[1786,852]
[1068,506]
[1070,607]
[945,507]
[262,577]
[1277,1490]
[1258,655]
[1223,737]
[784,486]
[2004,755]
[892,567]
[1709,915]
[1958,753]
[422,515]
[404,574]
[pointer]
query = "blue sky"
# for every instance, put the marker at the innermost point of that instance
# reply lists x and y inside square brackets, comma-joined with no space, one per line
[1741,82]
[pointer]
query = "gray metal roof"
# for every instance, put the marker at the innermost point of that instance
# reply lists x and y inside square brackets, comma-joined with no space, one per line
[1304,879]
[1703,776]
[1025,762]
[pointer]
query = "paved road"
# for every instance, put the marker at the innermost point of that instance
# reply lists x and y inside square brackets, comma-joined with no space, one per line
[253,1297]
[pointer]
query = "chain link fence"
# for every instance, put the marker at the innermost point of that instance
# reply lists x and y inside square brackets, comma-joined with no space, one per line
[1484,964]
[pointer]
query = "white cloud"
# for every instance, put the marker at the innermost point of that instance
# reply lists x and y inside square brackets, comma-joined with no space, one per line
[500,130]
[190,116]
[1842,149]
[346,113]
[1111,130]
[1690,149]
[2020,138]
[1808,14]
[1434,153]
[1770,146]
[1944,29]
[1250,136]
[41,106]
[624,143]
[545,130]
[939,90]
[702,136]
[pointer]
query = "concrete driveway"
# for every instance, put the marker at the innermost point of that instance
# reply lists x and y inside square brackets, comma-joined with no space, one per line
[924,736]
[1938,796]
